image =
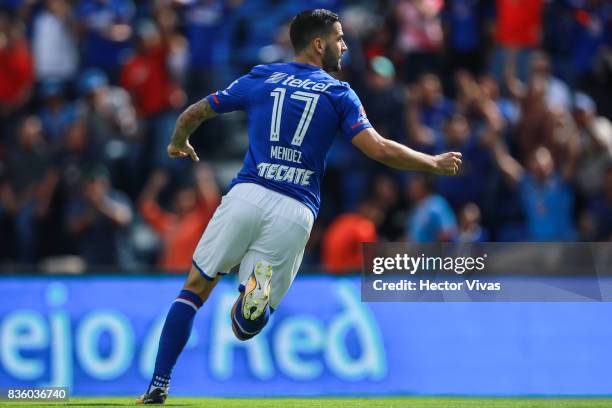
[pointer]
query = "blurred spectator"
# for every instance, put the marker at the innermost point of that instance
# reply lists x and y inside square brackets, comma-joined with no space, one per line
[203,25]
[464,33]
[470,228]
[518,29]
[279,51]
[178,48]
[16,67]
[385,197]
[595,144]
[541,126]
[590,35]
[106,27]
[109,111]
[598,223]
[419,36]
[506,106]
[557,92]
[255,27]
[546,196]
[385,100]
[155,95]
[536,124]
[31,183]
[427,111]
[518,23]
[341,247]
[56,114]
[54,42]
[469,185]
[74,157]
[146,76]
[181,228]
[479,105]
[113,129]
[97,218]
[599,80]
[375,37]
[431,218]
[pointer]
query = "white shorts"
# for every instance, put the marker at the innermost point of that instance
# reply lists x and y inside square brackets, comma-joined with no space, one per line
[253,223]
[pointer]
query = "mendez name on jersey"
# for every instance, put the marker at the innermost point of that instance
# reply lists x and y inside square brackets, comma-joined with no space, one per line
[294,111]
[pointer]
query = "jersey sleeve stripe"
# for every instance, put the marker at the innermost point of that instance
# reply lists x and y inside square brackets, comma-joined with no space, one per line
[361,122]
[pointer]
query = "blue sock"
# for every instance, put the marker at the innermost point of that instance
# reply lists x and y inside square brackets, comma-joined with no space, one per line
[174,336]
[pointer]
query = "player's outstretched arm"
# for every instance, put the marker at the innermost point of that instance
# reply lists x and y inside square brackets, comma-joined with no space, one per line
[400,157]
[186,124]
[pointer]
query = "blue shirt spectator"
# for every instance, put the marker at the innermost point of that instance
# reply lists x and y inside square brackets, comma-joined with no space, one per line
[428,110]
[56,114]
[600,209]
[203,21]
[592,30]
[432,219]
[469,185]
[107,32]
[548,207]
[463,19]
[546,197]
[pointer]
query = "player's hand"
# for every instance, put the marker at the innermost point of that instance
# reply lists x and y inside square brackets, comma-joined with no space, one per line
[447,164]
[182,150]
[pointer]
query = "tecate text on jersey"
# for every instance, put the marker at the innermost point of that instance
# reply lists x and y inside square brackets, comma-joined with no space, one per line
[280,172]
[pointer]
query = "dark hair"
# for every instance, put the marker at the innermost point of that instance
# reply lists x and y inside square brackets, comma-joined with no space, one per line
[309,24]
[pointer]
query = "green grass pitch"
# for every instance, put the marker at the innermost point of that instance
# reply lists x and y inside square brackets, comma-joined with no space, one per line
[391,402]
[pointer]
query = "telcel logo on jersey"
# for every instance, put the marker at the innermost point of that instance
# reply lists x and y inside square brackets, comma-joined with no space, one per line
[292,81]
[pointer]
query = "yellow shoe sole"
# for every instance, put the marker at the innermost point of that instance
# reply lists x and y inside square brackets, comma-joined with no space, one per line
[257,291]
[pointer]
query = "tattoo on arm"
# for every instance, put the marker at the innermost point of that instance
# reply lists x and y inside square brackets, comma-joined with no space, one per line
[190,119]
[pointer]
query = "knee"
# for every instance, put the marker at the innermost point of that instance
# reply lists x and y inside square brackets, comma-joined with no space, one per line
[200,285]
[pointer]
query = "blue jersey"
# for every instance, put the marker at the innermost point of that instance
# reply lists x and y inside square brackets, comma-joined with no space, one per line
[294,112]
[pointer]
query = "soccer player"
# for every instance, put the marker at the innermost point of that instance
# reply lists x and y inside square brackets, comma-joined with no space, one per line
[294,111]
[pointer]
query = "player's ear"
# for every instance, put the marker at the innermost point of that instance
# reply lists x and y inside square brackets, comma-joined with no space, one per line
[319,45]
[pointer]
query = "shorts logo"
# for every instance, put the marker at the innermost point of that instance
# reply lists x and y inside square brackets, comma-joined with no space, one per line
[276,77]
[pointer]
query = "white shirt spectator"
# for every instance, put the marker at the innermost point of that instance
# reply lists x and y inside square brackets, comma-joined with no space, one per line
[595,134]
[54,47]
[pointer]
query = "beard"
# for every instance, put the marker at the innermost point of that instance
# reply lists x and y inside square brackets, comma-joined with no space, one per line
[330,62]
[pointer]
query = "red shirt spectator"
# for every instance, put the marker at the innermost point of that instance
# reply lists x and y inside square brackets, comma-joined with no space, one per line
[341,242]
[181,229]
[16,73]
[146,77]
[519,22]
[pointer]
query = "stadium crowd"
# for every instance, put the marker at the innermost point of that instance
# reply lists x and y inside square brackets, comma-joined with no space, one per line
[90,91]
